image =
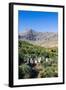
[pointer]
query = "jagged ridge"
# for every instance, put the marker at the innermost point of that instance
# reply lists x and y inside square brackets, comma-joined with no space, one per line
[45,39]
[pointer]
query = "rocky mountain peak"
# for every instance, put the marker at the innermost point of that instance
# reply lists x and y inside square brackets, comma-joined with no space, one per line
[40,38]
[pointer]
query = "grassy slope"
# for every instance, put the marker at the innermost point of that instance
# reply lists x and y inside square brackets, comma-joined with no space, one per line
[44,69]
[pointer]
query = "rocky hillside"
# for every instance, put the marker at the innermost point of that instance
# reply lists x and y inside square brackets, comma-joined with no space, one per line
[44,39]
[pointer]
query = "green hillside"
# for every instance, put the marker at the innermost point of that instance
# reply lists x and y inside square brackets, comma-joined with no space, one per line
[40,70]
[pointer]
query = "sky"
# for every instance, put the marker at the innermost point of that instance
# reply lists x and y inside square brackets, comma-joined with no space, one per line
[38,21]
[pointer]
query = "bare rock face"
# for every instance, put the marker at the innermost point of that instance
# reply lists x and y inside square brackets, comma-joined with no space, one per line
[44,39]
[28,35]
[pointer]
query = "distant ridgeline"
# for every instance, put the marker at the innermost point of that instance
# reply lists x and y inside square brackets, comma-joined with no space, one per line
[44,39]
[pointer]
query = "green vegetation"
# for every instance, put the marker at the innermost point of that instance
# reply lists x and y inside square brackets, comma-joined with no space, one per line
[24,71]
[47,67]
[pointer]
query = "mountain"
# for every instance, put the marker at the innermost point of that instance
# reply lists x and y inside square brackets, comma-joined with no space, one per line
[44,39]
[28,35]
